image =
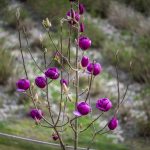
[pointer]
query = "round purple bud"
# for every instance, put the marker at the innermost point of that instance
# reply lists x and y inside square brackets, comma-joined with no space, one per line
[84,61]
[82,109]
[74,15]
[81,9]
[23,85]
[40,82]
[94,68]
[81,27]
[113,123]
[36,114]
[103,104]
[52,73]
[63,81]
[84,42]
[55,137]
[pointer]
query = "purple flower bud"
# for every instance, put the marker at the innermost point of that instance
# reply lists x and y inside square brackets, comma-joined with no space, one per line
[52,73]
[23,85]
[94,68]
[81,9]
[104,104]
[55,137]
[81,27]
[40,82]
[84,42]
[36,114]
[84,61]
[63,81]
[113,123]
[82,109]
[74,15]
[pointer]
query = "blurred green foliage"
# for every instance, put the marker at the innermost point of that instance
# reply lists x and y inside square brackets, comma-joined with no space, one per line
[97,7]
[140,59]
[143,43]
[10,16]
[52,9]
[95,33]
[140,5]
[3,4]
[6,66]
[24,127]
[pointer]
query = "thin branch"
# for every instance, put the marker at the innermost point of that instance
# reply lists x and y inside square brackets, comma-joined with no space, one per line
[29,49]
[92,123]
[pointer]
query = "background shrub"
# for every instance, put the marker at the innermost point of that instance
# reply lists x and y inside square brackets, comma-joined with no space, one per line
[140,5]
[140,59]
[10,16]
[97,7]
[123,17]
[6,66]
[3,4]
[95,33]
[50,9]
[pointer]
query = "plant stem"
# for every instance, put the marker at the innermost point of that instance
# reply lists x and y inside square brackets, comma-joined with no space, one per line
[60,140]
[20,45]
[29,50]
[61,76]
[47,91]
[77,88]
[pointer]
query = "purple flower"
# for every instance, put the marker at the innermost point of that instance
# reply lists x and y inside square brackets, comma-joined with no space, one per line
[52,73]
[74,15]
[113,123]
[81,9]
[36,114]
[103,104]
[81,27]
[82,109]
[63,81]
[84,61]
[40,82]
[94,68]
[55,137]
[23,85]
[84,42]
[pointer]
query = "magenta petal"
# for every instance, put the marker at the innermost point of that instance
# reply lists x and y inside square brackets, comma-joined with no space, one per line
[20,90]
[76,113]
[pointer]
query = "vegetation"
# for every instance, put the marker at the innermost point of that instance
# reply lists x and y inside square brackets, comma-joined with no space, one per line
[140,67]
[26,128]
[6,66]
[95,33]
[3,4]
[97,7]
[49,9]
[129,22]
[140,5]
[128,19]
[14,144]
[10,16]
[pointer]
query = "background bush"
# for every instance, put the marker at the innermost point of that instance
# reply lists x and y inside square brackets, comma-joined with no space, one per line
[140,5]
[140,68]
[6,66]
[97,7]
[50,9]
[3,4]
[95,33]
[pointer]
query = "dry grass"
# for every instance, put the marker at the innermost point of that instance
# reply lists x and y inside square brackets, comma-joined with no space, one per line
[126,18]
